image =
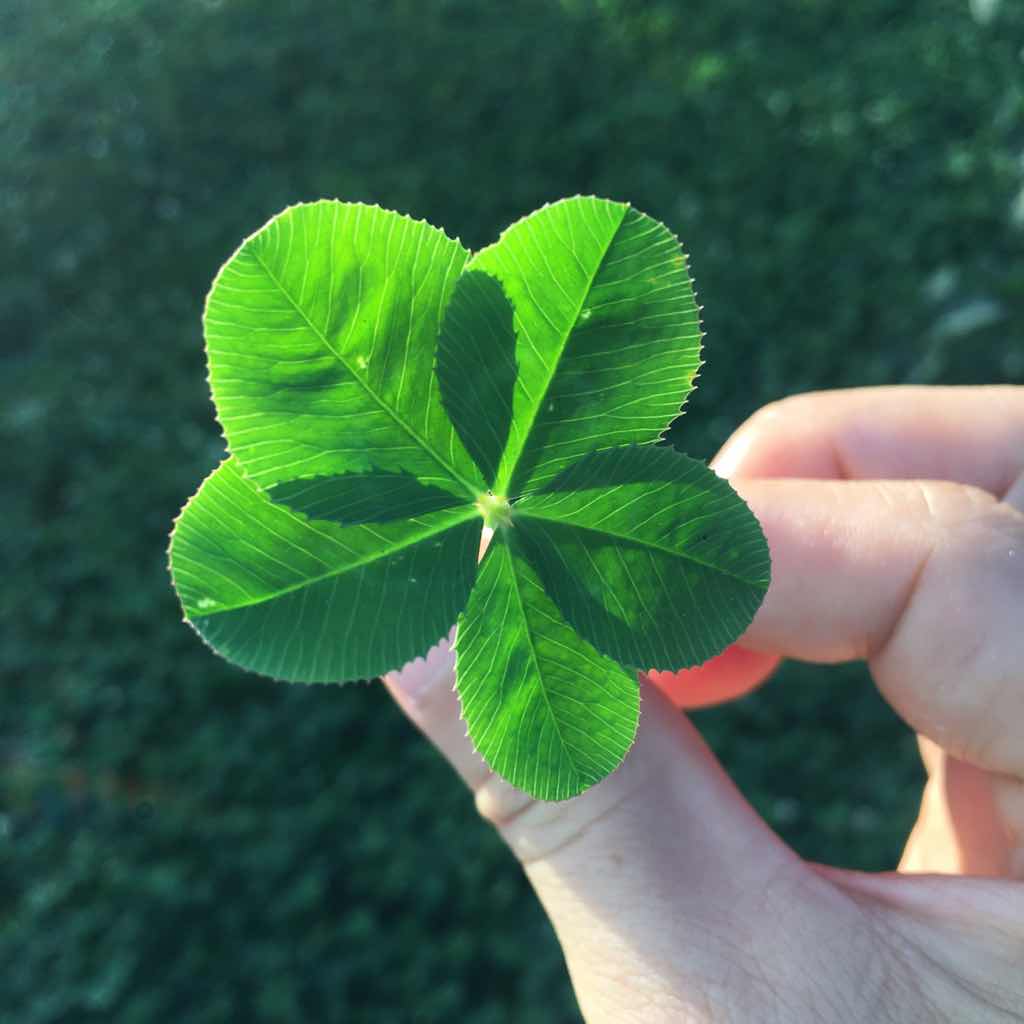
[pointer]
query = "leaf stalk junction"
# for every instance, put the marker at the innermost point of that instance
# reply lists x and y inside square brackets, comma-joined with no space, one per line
[495,509]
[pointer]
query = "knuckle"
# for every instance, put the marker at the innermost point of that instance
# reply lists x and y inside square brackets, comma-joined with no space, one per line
[532,829]
[954,657]
[499,802]
[536,830]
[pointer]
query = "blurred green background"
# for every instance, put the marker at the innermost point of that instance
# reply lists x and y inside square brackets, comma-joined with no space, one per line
[182,842]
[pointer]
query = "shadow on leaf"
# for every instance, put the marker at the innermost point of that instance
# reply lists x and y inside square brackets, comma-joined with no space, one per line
[373,497]
[476,367]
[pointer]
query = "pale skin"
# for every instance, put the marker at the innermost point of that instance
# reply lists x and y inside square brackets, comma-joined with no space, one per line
[895,519]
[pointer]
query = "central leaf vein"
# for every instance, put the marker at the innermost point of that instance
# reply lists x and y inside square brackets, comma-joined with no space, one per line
[526,513]
[523,434]
[372,556]
[536,661]
[452,472]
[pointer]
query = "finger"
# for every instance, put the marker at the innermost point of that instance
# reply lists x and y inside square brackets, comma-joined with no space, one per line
[425,691]
[970,435]
[962,826]
[1015,495]
[732,674]
[971,821]
[655,870]
[926,580]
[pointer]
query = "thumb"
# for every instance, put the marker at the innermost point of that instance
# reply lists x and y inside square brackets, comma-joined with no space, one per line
[649,876]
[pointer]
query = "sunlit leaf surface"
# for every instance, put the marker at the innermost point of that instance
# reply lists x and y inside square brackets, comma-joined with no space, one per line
[607,333]
[312,601]
[650,556]
[382,393]
[321,332]
[545,710]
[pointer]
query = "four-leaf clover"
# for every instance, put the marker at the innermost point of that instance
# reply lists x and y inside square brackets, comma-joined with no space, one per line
[384,395]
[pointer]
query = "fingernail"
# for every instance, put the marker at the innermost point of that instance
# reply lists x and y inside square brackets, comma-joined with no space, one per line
[729,457]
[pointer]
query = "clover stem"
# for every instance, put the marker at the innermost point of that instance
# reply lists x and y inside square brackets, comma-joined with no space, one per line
[495,510]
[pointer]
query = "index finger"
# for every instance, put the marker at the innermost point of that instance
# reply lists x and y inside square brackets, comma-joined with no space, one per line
[967,435]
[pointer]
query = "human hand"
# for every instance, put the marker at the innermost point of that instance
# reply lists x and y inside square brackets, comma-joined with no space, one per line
[895,519]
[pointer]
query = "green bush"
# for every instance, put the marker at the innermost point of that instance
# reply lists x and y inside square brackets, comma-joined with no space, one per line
[183,842]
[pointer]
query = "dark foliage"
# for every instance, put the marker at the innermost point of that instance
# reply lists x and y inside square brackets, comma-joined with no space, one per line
[179,841]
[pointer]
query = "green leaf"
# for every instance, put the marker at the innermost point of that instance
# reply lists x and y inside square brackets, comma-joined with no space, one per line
[649,555]
[321,333]
[476,367]
[374,497]
[607,333]
[382,394]
[544,709]
[310,601]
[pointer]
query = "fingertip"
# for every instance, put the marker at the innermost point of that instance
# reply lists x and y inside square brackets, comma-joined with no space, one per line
[416,682]
[732,674]
[425,690]
[732,454]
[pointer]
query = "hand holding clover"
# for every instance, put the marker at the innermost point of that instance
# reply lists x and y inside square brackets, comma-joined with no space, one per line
[384,396]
